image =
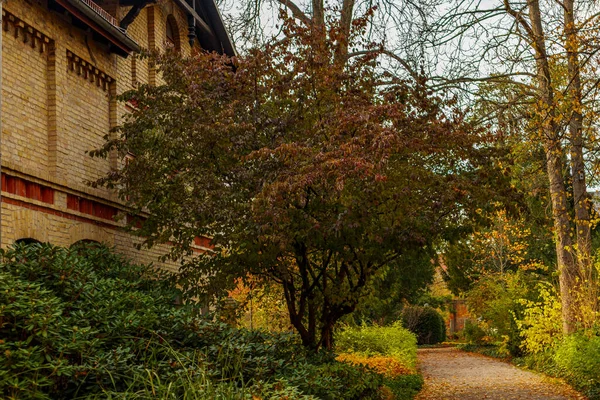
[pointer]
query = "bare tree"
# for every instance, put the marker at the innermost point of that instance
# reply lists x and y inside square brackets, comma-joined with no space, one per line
[397,25]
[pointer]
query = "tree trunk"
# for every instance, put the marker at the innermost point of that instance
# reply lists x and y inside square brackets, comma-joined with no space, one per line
[327,335]
[318,13]
[567,265]
[582,216]
[345,28]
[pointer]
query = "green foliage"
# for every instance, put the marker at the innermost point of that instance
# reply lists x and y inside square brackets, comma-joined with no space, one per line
[405,387]
[426,323]
[336,380]
[402,280]
[498,299]
[461,270]
[505,240]
[473,333]
[393,340]
[541,324]
[577,358]
[85,323]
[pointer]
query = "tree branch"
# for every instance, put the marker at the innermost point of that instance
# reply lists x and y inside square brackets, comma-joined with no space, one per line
[296,11]
[390,54]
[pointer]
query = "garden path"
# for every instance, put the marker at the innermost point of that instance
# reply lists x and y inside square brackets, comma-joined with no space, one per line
[451,374]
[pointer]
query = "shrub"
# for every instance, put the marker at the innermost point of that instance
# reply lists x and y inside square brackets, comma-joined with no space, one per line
[578,359]
[391,351]
[394,341]
[473,333]
[426,323]
[85,323]
[404,387]
[541,323]
[336,380]
[497,300]
[384,365]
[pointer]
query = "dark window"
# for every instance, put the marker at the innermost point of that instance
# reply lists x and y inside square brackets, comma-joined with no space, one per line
[173,33]
[27,241]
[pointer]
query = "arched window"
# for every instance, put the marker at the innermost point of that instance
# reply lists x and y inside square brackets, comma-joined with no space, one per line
[27,241]
[173,33]
[86,243]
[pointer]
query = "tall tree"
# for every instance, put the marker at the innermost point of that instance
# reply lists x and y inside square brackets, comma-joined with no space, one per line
[309,173]
[523,45]
[397,25]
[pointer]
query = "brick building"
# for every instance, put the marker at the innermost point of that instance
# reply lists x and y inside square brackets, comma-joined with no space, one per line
[459,315]
[63,61]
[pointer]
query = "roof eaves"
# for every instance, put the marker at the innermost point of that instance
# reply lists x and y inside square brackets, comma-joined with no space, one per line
[102,22]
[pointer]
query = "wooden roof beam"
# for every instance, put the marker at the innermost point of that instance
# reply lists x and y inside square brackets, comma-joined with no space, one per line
[137,6]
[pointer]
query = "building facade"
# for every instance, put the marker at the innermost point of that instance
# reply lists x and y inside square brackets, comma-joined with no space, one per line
[63,62]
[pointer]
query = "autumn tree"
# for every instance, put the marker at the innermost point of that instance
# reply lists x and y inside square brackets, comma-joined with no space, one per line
[543,56]
[398,26]
[307,173]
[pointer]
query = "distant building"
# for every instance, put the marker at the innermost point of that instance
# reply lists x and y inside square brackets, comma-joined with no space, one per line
[63,61]
[459,315]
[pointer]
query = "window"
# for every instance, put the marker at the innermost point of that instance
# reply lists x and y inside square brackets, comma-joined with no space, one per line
[173,33]
[27,241]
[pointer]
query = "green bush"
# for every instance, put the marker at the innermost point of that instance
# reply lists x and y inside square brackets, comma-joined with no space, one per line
[499,301]
[85,323]
[577,359]
[405,387]
[473,333]
[426,323]
[336,380]
[394,341]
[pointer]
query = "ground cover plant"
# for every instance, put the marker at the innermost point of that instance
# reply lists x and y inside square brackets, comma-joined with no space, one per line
[85,323]
[389,350]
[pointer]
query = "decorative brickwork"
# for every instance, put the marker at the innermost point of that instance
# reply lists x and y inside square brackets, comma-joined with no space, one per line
[28,189]
[27,33]
[91,207]
[87,71]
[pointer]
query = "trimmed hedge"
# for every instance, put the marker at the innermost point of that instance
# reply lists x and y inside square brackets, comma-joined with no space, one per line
[426,323]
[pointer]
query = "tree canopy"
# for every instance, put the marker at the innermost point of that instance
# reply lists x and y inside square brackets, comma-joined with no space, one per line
[306,169]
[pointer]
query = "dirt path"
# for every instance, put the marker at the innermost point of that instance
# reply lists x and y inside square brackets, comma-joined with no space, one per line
[453,374]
